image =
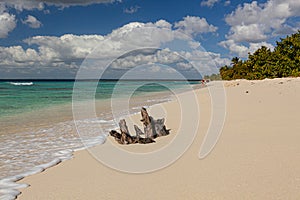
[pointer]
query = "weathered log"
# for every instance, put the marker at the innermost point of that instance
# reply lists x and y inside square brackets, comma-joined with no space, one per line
[152,129]
[148,126]
[125,138]
[116,135]
[123,126]
[138,131]
[160,127]
[145,117]
[145,140]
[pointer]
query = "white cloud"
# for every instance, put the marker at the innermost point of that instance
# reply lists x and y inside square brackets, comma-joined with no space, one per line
[68,51]
[17,56]
[249,33]
[52,50]
[265,18]
[67,3]
[242,50]
[155,68]
[255,23]
[24,4]
[205,62]
[163,24]
[65,47]
[132,9]
[184,65]
[192,25]
[8,20]
[254,46]
[227,3]
[209,3]
[7,24]
[147,57]
[32,22]
[194,44]
[38,4]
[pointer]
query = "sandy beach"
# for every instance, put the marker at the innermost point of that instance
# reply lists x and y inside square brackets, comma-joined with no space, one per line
[256,157]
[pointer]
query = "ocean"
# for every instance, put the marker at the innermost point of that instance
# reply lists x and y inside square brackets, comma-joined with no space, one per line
[37,126]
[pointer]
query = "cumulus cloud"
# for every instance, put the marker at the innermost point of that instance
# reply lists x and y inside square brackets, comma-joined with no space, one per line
[163,24]
[192,25]
[255,23]
[209,3]
[242,50]
[187,62]
[66,47]
[206,62]
[68,51]
[249,33]
[265,18]
[7,24]
[16,55]
[32,22]
[147,57]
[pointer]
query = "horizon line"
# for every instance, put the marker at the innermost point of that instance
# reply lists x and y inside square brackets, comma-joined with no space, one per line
[101,79]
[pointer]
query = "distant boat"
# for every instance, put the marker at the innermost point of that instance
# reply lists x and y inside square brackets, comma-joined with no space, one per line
[21,83]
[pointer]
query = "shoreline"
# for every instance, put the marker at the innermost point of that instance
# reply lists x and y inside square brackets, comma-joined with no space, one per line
[231,86]
[11,186]
[64,111]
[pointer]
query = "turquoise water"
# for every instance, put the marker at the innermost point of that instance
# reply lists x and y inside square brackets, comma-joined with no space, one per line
[38,130]
[16,98]
[19,97]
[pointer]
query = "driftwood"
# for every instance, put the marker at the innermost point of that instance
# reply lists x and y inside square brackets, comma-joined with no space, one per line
[152,129]
[148,126]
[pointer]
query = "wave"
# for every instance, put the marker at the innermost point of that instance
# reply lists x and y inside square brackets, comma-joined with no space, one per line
[61,141]
[21,83]
[9,188]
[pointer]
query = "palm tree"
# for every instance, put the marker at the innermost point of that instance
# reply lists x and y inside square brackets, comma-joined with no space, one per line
[235,60]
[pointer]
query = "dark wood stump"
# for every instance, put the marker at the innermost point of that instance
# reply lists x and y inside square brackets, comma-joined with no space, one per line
[152,129]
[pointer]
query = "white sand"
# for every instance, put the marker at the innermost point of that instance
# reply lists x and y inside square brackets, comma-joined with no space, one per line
[256,157]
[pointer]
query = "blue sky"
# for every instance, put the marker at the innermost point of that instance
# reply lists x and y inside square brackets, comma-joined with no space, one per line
[51,39]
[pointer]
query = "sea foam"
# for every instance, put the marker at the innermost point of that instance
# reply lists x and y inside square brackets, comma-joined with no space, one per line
[45,146]
[23,84]
[9,188]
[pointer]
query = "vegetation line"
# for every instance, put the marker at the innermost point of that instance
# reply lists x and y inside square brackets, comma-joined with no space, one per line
[284,61]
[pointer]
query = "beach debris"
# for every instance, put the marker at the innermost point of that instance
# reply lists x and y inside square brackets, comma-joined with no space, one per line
[152,129]
[247,91]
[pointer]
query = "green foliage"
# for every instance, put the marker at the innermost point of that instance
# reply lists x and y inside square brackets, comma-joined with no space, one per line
[284,61]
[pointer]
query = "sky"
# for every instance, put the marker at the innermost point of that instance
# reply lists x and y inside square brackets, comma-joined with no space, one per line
[111,38]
